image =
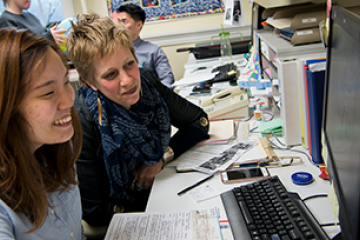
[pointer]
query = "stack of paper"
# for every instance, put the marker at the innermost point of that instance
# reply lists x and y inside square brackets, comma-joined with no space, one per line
[211,158]
[177,225]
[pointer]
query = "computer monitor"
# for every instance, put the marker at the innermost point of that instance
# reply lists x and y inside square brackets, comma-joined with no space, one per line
[341,118]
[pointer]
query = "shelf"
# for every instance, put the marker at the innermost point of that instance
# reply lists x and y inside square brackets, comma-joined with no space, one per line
[282,3]
[283,48]
[271,63]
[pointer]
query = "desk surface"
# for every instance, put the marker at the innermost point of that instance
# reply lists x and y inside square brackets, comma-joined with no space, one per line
[168,183]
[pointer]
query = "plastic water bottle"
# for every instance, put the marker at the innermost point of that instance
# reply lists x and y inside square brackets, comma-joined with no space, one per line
[225,46]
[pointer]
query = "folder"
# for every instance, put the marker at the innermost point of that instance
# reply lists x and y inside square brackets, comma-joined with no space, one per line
[302,36]
[315,86]
[302,104]
[307,20]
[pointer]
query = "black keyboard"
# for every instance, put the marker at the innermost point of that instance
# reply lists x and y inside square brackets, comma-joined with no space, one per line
[265,210]
[227,72]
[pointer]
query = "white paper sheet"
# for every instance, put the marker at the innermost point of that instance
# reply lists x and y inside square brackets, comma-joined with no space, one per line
[203,192]
[179,225]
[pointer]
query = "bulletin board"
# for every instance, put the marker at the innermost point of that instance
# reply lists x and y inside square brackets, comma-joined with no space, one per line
[171,9]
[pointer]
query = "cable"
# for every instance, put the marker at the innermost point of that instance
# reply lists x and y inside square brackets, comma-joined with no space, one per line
[314,196]
[329,224]
[272,116]
[251,130]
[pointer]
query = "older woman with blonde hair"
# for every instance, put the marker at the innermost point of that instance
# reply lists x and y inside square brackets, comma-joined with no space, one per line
[126,117]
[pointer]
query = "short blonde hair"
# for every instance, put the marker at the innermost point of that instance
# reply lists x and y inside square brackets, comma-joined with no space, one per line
[92,34]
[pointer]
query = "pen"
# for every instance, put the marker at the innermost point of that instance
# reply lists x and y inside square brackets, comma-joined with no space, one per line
[195,185]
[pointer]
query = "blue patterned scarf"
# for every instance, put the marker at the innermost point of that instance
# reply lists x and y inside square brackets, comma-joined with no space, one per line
[130,137]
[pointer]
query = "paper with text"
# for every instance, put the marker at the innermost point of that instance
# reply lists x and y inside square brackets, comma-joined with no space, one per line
[179,225]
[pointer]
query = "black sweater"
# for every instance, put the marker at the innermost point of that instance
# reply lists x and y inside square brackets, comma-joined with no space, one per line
[93,181]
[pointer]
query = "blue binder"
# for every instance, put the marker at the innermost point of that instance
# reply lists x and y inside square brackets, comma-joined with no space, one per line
[315,87]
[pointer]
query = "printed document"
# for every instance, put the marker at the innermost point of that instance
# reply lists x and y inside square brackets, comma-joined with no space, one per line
[179,225]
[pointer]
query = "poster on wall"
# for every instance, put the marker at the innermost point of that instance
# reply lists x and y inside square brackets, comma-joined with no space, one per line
[169,9]
[234,13]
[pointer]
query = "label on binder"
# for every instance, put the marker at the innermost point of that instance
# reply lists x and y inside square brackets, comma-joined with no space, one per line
[309,20]
[305,32]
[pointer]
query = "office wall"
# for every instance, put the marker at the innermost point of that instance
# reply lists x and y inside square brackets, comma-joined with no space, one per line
[68,8]
[177,33]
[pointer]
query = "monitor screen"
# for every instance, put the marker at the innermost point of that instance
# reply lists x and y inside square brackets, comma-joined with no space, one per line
[341,118]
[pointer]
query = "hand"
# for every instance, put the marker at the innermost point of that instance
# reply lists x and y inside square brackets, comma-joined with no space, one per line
[145,174]
[59,38]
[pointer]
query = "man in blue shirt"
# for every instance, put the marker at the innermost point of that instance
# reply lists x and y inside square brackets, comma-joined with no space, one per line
[149,55]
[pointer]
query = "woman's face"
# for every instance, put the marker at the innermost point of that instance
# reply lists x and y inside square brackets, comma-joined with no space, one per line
[47,104]
[117,76]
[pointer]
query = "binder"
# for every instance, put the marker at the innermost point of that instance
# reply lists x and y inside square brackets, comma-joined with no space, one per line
[315,88]
[302,104]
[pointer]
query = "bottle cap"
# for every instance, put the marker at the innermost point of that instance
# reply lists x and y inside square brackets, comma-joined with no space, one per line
[302,178]
[258,107]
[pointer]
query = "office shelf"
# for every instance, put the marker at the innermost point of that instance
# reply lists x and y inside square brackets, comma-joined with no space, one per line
[282,3]
[282,59]
[283,48]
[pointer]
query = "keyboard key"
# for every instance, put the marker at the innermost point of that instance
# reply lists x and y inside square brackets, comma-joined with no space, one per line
[275,237]
[294,234]
[252,227]
[283,195]
[265,237]
[309,235]
[270,226]
[305,228]
[280,227]
[295,213]
[278,222]
[285,237]
[289,226]
[272,231]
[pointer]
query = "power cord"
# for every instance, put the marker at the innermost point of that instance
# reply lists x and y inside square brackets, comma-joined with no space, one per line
[329,224]
[314,196]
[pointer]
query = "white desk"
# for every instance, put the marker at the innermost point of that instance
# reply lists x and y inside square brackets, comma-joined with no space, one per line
[168,183]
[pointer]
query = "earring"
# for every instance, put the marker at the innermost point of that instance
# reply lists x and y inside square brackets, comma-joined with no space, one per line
[99,108]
